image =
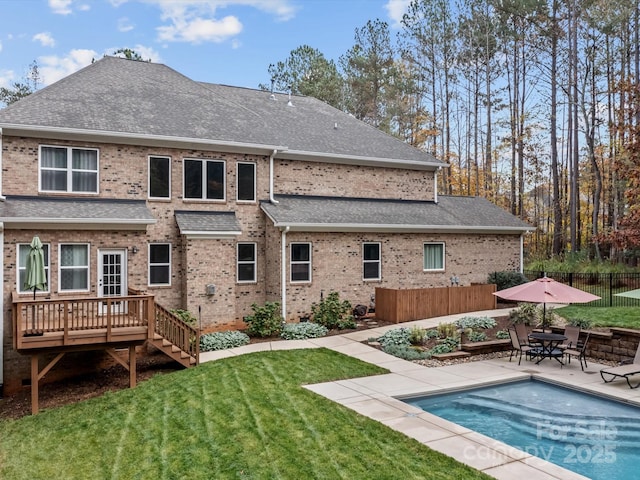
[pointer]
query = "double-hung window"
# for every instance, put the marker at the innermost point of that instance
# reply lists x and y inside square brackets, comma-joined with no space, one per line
[204,179]
[246,188]
[159,264]
[68,169]
[434,256]
[159,177]
[246,262]
[371,261]
[300,265]
[23,253]
[74,267]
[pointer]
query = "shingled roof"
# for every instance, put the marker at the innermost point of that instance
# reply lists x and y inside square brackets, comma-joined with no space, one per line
[451,214]
[128,101]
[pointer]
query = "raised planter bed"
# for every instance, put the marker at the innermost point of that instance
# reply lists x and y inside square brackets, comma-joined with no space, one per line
[490,346]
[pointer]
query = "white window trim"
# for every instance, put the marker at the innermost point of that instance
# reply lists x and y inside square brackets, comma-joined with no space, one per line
[203,162]
[255,181]
[292,262]
[443,257]
[245,262]
[149,177]
[69,169]
[149,264]
[60,267]
[378,261]
[19,267]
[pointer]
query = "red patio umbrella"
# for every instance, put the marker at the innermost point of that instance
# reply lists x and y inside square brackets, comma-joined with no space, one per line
[546,290]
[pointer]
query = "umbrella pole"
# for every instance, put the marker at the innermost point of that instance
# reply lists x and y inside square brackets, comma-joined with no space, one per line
[33,312]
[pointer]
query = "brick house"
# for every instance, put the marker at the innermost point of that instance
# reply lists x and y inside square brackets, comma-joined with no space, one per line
[212,197]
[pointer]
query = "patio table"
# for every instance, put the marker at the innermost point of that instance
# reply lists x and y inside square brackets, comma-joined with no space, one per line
[548,346]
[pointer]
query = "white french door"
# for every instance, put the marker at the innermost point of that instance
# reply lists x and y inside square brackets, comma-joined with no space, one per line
[112,277]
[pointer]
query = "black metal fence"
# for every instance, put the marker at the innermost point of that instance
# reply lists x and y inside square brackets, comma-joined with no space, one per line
[605,285]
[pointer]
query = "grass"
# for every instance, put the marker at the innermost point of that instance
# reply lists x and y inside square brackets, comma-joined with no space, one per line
[242,417]
[621,317]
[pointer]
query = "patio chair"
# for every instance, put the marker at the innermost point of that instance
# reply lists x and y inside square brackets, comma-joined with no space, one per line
[523,335]
[573,334]
[579,351]
[623,371]
[516,346]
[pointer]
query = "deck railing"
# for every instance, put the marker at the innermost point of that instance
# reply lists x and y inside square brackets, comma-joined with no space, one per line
[176,331]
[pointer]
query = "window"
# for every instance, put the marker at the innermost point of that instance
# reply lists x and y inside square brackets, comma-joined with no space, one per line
[23,252]
[371,261]
[246,262]
[67,169]
[434,256]
[300,262]
[159,264]
[159,177]
[74,267]
[204,179]
[246,190]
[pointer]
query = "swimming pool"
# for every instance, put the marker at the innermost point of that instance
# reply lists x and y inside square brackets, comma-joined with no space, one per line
[590,435]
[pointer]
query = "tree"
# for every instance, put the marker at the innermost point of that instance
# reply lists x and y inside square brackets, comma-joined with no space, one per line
[307,72]
[26,87]
[130,54]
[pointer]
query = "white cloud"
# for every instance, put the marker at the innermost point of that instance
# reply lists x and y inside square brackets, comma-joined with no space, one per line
[53,67]
[396,9]
[196,21]
[125,25]
[61,7]
[6,78]
[0,46]
[45,39]
[85,7]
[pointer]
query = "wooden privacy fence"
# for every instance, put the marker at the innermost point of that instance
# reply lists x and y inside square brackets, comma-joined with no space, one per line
[405,305]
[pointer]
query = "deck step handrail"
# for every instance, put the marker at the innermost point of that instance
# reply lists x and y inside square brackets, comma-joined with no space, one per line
[175,330]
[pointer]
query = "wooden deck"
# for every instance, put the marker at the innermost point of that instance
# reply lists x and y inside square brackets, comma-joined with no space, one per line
[65,325]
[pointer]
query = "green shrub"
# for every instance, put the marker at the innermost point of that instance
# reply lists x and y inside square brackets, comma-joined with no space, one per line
[583,323]
[266,320]
[473,336]
[506,279]
[417,335]
[447,345]
[475,322]
[222,340]
[186,316]
[447,330]
[397,336]
[527,313]
[432,333]
[502,335]
[303,330]
[333,313]
[406,353]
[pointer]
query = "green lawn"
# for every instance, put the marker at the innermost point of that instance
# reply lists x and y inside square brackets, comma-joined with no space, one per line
[622,317]
[242,417]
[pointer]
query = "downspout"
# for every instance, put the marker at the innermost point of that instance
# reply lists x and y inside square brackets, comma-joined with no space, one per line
[283,268]
[271,199]
[435,185]
[2,198]
[522,253]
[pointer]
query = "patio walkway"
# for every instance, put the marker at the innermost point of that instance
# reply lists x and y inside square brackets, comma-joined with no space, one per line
[376,397]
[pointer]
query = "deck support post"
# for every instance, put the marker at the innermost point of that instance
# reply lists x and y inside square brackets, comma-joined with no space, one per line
[132,366]
[34,384]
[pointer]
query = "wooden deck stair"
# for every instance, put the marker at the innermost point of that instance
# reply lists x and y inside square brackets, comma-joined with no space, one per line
[173,351]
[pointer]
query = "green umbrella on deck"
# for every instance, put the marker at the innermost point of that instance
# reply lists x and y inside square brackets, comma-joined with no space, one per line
[35,274]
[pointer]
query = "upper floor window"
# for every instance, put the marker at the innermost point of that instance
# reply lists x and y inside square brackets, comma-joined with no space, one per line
[371,261]
[159,177]
[434,256]
[246,262]
[68,169]
[159,264]
[246,189]
[300,262]
[204,179]
[23,253]
[74,267]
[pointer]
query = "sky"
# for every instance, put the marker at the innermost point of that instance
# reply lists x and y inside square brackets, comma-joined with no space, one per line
[230,42]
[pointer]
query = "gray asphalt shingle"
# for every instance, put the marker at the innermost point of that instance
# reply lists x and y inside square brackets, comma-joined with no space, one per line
[190,221]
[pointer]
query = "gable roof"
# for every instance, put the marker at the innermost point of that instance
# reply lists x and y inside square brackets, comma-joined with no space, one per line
[125,101]
[451,214]
[61,213]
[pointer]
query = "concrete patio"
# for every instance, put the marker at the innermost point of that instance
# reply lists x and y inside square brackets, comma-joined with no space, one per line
[377,397]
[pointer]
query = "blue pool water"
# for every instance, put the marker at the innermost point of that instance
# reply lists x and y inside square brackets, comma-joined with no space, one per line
[590,435]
